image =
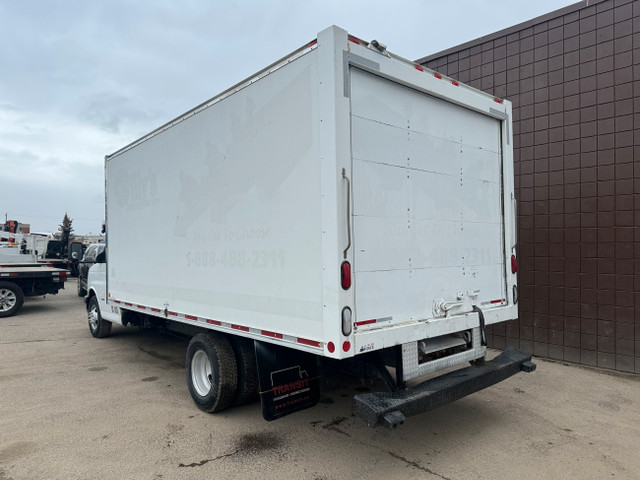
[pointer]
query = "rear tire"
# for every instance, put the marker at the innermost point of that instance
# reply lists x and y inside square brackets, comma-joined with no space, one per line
[247,370]
[11,299]
[212,374]
[98,326]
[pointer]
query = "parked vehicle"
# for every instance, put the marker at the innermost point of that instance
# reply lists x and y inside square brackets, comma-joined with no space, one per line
[83,266]
[41,248]
[343,204]
[20,280]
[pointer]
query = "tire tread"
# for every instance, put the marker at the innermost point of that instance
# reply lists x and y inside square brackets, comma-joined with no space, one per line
[223,393]
[248,383]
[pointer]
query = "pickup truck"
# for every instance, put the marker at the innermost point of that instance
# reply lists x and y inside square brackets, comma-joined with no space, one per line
[20,280]
[85,264]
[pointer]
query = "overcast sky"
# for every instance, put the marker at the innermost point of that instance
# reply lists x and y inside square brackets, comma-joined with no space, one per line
[80,79]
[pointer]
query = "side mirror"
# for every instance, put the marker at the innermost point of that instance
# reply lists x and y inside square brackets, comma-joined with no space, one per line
[75,251]
[102,257]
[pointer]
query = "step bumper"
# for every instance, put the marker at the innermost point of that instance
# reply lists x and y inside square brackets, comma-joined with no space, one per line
[389,409]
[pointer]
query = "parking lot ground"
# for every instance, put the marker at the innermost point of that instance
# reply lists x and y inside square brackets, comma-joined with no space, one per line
[76,407]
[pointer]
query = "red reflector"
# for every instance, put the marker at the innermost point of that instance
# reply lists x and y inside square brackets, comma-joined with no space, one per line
[345,275]
[242,328]
[437,75]
[331,347]
[346,346]
[453,82]
[311,343]
[514,264]
[418,67]
[354,40]
[366,322]
[191,317]
[312,44]
[267,333]
[497,100]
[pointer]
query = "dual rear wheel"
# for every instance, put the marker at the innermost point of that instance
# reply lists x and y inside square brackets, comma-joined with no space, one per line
[221,371]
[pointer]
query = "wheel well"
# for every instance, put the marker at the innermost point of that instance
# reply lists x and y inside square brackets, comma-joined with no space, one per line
[90,295]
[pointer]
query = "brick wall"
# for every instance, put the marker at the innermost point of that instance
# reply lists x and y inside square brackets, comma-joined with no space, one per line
[574,79]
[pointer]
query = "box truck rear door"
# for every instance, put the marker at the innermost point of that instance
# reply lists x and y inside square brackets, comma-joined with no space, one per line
[427,204]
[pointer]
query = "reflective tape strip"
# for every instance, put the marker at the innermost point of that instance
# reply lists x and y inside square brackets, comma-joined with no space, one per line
[267,333]
[241,328]
[310,343]
[365,322]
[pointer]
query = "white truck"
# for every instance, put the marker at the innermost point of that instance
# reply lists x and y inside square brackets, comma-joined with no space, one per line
[343,204]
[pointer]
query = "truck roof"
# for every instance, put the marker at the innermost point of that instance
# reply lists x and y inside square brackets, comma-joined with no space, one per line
[374,45]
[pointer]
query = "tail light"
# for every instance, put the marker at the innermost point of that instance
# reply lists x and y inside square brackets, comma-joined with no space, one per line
[345,275]
[346,321]
[514,264]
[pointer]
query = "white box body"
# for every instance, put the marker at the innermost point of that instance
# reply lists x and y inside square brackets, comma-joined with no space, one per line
[237,216]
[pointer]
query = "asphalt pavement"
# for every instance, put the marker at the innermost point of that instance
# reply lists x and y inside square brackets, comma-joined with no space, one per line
[76,407]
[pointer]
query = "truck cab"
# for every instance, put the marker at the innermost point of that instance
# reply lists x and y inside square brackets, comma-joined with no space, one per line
[100,315]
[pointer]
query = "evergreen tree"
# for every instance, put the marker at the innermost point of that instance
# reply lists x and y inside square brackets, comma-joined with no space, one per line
[65,228]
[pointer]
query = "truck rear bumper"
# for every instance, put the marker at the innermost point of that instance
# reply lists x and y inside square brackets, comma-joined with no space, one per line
[389,409]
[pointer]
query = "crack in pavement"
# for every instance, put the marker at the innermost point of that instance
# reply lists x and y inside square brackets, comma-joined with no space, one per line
[333,427]
[207,460]
[415,465]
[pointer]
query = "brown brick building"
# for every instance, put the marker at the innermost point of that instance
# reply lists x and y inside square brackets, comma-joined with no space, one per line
[573,76]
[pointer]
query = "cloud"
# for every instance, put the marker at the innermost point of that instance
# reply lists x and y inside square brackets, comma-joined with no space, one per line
[108,111]
[9,158]
[82,79]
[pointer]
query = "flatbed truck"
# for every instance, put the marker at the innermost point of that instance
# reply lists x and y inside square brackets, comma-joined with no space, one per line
[20,280]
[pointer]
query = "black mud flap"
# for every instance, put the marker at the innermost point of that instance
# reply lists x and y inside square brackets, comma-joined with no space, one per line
[389,409]
[289,380]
